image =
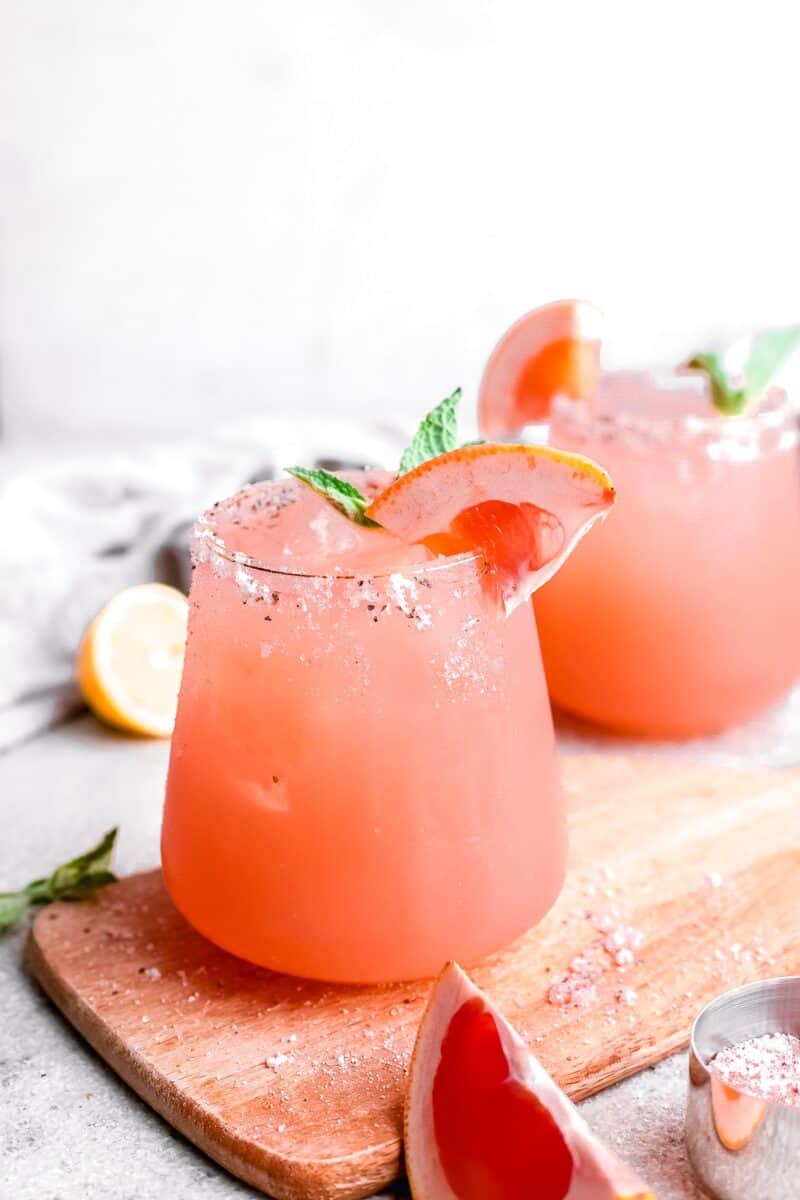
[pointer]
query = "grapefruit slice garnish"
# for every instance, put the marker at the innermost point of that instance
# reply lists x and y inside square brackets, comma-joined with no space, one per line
[548,352]
[736,1115]
[484,1120]
[524,507]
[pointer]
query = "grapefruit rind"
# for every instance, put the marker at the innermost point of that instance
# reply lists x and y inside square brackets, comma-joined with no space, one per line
[549,351]
[426,501]
[598,1173]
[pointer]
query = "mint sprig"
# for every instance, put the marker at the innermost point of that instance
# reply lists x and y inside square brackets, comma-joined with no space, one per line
[768,352]
[342,495]
[73,880]
[437,433]
[726,398]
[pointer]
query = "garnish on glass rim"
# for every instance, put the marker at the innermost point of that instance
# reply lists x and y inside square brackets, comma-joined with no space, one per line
[73,880]
[767,354]
[551,351]
[343,496]
[524,508]
[437,433]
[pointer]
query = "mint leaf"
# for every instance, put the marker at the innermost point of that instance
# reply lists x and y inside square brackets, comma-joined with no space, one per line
[13,905]
[437,434]
[768,352]
[727,399]
[71,881]
[82,874]
[338,492]
[38,892]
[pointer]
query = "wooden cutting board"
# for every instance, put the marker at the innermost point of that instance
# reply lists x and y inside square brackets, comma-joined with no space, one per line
[297,1087]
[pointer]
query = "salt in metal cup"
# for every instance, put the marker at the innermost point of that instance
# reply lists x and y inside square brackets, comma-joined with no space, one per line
[742,1147]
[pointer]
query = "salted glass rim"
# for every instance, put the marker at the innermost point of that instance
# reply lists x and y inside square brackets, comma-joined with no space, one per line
[203,529]
[781,410]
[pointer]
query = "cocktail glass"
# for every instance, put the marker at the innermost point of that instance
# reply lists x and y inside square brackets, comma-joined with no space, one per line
[681,615]
[363,780]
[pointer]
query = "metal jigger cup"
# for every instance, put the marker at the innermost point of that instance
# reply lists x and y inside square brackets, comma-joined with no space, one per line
[740,1147]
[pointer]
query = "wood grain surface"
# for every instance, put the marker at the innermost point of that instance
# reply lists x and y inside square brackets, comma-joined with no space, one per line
[297,1087]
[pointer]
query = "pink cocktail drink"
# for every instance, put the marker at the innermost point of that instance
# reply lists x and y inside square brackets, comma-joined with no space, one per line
[680,615]
[363,781]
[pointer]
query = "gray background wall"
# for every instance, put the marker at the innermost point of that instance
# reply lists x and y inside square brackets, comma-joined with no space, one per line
[220,206]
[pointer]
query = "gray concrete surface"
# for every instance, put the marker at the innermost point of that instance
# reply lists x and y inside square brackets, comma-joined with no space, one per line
[69,1129]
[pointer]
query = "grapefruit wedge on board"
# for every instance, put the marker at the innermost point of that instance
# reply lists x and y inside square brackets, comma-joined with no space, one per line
[484,1120]
[524,507]
[548,352]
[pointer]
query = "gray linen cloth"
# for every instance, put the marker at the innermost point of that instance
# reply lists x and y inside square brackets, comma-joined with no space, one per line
[78,526]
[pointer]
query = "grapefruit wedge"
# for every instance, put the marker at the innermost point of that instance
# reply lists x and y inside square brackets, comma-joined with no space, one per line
[484,1120]
[548,352]
[524,507]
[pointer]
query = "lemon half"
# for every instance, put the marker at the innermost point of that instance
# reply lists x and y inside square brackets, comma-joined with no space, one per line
[131,657]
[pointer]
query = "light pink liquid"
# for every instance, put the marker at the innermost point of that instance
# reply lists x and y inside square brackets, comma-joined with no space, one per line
[679,616]
[363,781]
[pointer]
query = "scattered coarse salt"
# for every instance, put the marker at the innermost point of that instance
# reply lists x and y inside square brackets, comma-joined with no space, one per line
[277,1060]
[572,991]
[626,995]
[582,965]
[621,942]
[578,986]
[623,937]
[603,920]
[618,941]
[766,1067]
[713,879]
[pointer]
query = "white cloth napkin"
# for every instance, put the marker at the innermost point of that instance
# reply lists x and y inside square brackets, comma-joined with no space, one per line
[78,527]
